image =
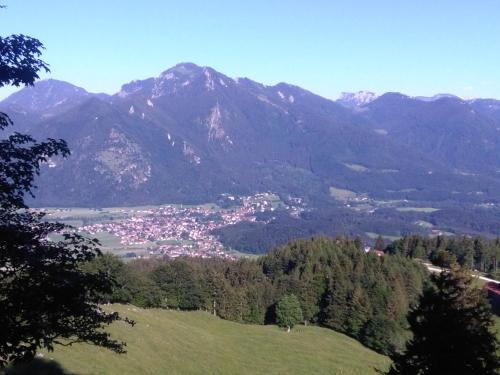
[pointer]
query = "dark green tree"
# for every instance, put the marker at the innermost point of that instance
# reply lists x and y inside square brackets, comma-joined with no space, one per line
[335,307]
[181,284]
[452,331]
[443,258]
[288,312]
[116,270]
[379,243]
[45,296]
[382,334]
[357,309]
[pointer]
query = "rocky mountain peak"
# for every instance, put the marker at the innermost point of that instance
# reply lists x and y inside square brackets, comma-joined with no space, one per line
[356,99]
[179,77]
[45,95]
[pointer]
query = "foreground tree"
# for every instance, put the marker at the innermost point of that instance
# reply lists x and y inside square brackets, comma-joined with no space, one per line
[379,243]
[452,330]
[288,312]
[45,297]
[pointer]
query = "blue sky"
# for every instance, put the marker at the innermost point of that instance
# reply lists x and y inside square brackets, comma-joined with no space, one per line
[418,47]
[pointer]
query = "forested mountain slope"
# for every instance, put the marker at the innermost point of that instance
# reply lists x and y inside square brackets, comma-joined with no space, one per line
[193,133]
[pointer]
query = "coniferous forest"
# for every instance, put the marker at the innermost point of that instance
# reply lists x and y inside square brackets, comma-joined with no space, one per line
[476,253]
[338,285]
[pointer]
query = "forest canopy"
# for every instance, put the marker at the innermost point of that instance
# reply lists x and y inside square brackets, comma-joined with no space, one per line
[337,284]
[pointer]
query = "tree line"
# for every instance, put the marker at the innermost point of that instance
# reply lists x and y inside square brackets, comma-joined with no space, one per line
[476,253]
[336,283]
[278,227]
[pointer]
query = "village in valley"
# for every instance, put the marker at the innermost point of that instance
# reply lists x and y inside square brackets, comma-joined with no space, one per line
[171,230]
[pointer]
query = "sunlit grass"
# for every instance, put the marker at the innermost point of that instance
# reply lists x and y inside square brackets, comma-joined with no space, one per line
[173,342]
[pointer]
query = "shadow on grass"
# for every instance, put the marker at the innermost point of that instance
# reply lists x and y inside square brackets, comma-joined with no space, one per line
[37,367]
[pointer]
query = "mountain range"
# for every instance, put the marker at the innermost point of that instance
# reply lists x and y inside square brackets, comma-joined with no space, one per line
[193,133]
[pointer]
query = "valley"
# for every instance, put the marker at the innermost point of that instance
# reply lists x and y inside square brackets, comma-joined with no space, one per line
[169,230]
[362,165]
[236,225]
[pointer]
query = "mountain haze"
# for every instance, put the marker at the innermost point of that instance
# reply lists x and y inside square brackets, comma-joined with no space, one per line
[193,133]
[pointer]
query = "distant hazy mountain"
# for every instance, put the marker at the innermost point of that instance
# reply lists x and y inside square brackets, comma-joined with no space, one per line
[449,130]
[45,96]
[193,133]
[46,99]
[436,97]
[356,99]
[488,107]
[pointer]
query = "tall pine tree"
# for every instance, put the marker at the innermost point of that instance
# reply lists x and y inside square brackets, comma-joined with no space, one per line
[452,330]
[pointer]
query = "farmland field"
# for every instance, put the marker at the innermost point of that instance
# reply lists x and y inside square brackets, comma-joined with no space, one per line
[342,194]
[417,209]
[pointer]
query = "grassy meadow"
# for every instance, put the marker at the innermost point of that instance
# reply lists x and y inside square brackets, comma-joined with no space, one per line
[173,342]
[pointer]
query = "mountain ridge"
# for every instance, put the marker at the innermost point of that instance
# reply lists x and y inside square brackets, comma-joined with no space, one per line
[192,133]
[189,69]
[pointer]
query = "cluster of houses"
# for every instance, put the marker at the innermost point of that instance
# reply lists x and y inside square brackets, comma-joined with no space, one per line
[175,231]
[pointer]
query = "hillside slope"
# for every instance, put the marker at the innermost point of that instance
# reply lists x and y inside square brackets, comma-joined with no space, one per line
[192,133]
[172,342]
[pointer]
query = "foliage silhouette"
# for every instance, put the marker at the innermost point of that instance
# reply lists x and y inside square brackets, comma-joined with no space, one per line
[45,296]
[452,331]
[37,366]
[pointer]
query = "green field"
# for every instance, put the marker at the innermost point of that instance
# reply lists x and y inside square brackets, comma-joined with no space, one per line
[417,209]
[84,216]
[356,167]
[173,342]
[342,194]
